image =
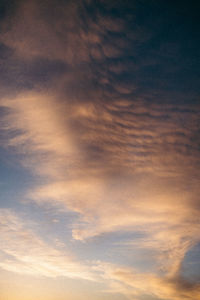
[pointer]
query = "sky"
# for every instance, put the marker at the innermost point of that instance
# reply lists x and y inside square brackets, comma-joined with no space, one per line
[99,150]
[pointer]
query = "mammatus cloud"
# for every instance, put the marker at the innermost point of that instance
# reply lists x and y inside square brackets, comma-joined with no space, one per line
[61,32]
[141,198]
[117,153]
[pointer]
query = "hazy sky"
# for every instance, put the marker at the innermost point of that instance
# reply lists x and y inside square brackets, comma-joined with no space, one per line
[99,150]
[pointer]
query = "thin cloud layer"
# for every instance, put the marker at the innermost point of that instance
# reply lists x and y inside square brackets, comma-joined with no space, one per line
[113,137]
[136,285]
[22,251]
[127,199]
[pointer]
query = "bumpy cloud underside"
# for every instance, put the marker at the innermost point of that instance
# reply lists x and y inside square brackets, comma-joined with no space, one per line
[104,110]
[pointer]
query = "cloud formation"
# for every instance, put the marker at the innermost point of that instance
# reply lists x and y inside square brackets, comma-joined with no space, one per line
[136,285]
[22,251]
[140,194]
[113,137]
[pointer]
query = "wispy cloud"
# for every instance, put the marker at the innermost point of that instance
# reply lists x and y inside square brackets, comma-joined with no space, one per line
[139,285]
[107,141]
[112,186]
[22,251]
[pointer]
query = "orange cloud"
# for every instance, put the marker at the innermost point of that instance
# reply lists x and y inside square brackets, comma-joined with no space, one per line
[119,144]
[120,167]
[136,285]
[122,163]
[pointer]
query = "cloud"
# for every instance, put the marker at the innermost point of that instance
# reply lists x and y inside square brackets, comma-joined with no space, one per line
[24,252]
[60,32]
[40,131]
[159,287]
[110,166]
[138,286]
[107,139]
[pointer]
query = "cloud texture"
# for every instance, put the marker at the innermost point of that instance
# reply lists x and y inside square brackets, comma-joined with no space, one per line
[111,134]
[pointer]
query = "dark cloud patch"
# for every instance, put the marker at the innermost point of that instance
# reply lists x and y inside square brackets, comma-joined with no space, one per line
[126,68]
[7,8]
[119,47]
[19,74]
[107,111]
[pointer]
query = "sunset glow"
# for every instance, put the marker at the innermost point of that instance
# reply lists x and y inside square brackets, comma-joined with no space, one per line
[99,150]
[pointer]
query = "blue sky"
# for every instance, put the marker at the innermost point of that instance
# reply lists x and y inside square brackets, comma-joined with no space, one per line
[99,150]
